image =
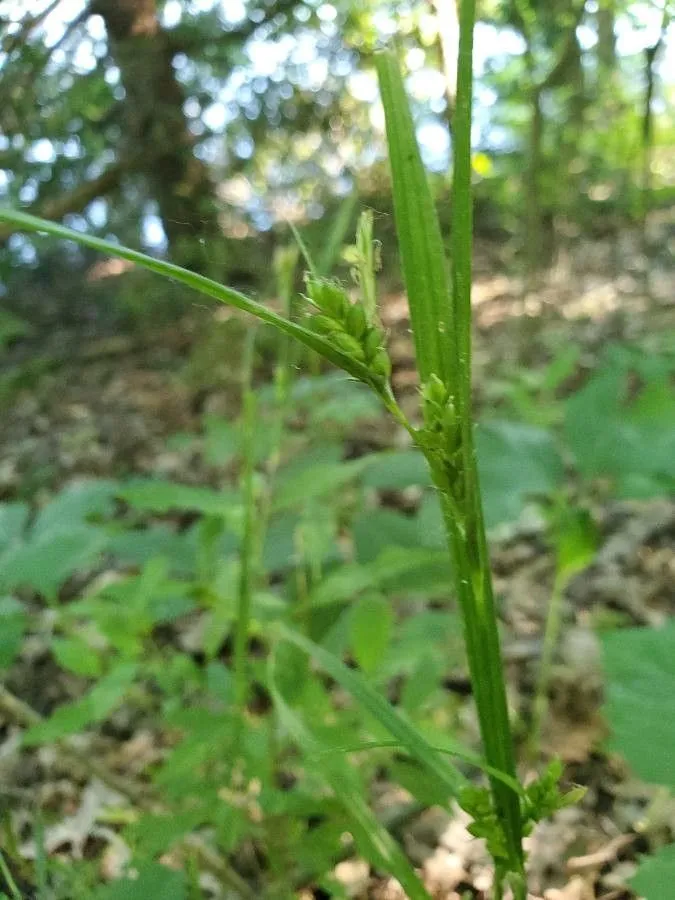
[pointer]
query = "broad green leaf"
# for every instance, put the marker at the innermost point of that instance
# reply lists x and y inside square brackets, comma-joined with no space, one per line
[421,684]
[77,656]
[219,682]
[139,545]
[397,470]
[429,521]
[45,563]
[516,463]
[333,399]
[94,707]
[431,635]
[74,505]
[25,222]
[655,875]
[279,549]
[223,440]
[372,838]
[13,624]
[13,519]
[153,834]
[616,434]
[425,269]
[415,780]
[375,530]
[560,368]
[639,666]
[372,623]
[415,570]
[157,496]
[410,738]
[153,881]
[576,539]
[315,482]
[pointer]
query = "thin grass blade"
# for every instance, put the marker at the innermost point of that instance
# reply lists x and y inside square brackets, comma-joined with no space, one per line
[409,737]
[425,268]
[337,234]
[450,749]
[371,836]
[200,283]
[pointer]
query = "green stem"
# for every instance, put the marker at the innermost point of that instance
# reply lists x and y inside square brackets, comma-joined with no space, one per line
[468,547]
[247,551]
[551,635]
[9,880]
[463,512]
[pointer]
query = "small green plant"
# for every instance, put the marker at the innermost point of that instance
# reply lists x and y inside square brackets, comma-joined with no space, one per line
[349,335]
[639,668]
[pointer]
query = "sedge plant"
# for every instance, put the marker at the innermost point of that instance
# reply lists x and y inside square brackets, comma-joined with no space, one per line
[350,336]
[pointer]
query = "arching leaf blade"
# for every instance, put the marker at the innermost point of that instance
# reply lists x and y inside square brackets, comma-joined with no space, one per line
[200,283]
[410,738]
[374,839]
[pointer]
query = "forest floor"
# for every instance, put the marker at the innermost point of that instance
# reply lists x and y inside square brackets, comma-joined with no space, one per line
[107,406]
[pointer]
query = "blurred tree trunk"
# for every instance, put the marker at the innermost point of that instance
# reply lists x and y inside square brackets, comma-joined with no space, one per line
[566,71]
[534,225]
[651,55]
[157,129]
[606,49]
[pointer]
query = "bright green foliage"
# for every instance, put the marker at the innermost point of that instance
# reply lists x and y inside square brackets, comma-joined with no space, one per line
[425,269]
[640,707]
[348,325]
[61,539]
[543,796]
[539,800]
[621,424]
[90,709]
[372,622]
[409,737]
[154,495]
[575,536]
[655,875]
[517,463]
[153,880]
[374,841]
[269,559]
[13,624]
[639,665]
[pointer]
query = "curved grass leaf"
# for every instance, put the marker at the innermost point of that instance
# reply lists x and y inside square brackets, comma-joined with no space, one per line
[371,836]
[200,283]
[450,749]
[410,738]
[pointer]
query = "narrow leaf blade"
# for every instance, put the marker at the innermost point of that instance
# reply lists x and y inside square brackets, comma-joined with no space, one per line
[200,283]
[423,259]
[372,837]
[377,706]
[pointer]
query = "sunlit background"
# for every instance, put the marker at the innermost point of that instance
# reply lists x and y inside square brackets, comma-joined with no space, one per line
[285,112]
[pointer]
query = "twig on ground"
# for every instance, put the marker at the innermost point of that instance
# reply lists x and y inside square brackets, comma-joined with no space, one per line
[599,858]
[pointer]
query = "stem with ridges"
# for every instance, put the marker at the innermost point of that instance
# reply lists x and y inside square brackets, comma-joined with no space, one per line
[466,534]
